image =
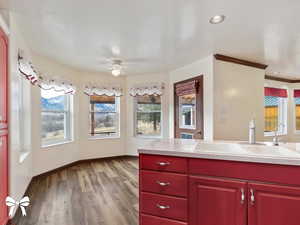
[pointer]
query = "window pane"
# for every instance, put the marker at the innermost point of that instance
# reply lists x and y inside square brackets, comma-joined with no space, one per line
[52,100]
[187,111]
[53,127]
[104,107]
[271,113]
[104,115]
[103,123]
[148,103]
[148,113]
[148,123]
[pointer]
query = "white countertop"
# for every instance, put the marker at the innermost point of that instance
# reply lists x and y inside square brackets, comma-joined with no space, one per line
[263,152]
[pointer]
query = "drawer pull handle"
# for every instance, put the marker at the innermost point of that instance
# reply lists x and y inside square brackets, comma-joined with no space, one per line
[163,183]
[162,207]
[252,198]
[163,163]
[242,196]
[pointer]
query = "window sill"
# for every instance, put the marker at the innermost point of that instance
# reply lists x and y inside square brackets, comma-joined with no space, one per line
[148,137]
[57,144]
[23,156]
[272,134]
[103,137]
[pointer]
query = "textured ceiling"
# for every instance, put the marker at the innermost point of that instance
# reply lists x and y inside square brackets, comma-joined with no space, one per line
[155,36]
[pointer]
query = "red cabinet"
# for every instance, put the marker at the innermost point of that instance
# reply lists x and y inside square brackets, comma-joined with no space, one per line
[164,183]
[216,201]
[273,204]
[216,192]
[164,206]
[154,220]
[3,128]
[163,163]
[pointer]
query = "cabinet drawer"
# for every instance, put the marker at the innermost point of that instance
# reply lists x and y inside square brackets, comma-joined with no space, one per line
[164,206]
[164,183]
[153,220]
[163,163]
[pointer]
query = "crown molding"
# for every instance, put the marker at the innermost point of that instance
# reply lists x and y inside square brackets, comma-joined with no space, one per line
[281,79]
[240,61]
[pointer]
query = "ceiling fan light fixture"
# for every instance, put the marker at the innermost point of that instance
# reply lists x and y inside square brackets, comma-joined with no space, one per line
[116,72]
[116,68]
[217,19]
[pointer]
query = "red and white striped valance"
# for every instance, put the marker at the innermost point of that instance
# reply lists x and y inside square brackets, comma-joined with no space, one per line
[276,92]
[27,69]
[296,93]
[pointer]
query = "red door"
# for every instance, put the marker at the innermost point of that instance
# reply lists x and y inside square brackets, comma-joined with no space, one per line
[3,80]
[273,204]
[3,176]
[3,129]
[215,201]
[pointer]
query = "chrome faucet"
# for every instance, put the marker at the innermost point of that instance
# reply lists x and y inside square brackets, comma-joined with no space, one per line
[276,139]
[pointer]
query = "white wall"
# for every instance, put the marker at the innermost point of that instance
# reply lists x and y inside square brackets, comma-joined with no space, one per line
[201,67]
[133,143]
[48,158]
[238,98]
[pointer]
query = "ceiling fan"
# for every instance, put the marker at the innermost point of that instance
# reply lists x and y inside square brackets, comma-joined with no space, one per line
[111,59]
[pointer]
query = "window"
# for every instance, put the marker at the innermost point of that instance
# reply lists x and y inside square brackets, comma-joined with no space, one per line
[297,109]
[187,111]
[148,116]
[104,116]
[297,113]
[56,117]
[275,115]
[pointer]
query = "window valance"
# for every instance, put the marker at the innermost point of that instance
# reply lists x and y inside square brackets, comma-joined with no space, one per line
[186,88]
[109,90]
[296,93]
[56,85]
[276,92]
[150,89]
[27,69]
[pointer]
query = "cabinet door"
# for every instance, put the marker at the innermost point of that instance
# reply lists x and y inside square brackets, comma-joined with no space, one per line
[3,176]
[215,201]
[273,204]
[3,80]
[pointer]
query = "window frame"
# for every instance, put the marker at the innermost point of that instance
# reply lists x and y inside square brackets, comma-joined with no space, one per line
[188,127]
[135,120]
[118,125]
[68,122]
[24,119]
[282,119]
[294,114]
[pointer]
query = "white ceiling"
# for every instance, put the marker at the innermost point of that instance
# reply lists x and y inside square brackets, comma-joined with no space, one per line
[160,35]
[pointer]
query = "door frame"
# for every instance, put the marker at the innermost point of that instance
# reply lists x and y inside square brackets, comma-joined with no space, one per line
[5,127]
[200,99]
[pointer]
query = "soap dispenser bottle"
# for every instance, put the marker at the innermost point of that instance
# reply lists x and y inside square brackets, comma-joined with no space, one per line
[252,131]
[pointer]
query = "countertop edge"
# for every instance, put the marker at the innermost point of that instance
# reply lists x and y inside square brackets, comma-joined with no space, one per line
[227,157]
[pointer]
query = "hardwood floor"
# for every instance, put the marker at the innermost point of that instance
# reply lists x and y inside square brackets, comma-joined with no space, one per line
[102,192]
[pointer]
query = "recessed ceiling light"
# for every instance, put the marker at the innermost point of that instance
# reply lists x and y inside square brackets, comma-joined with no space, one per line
[217,19]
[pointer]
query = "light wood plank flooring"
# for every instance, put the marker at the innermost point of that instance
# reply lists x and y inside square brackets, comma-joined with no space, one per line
[101,192]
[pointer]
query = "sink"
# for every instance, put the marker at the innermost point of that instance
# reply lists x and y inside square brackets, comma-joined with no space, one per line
[221,147]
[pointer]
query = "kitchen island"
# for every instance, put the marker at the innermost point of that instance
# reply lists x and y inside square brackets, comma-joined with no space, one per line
[191,182]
